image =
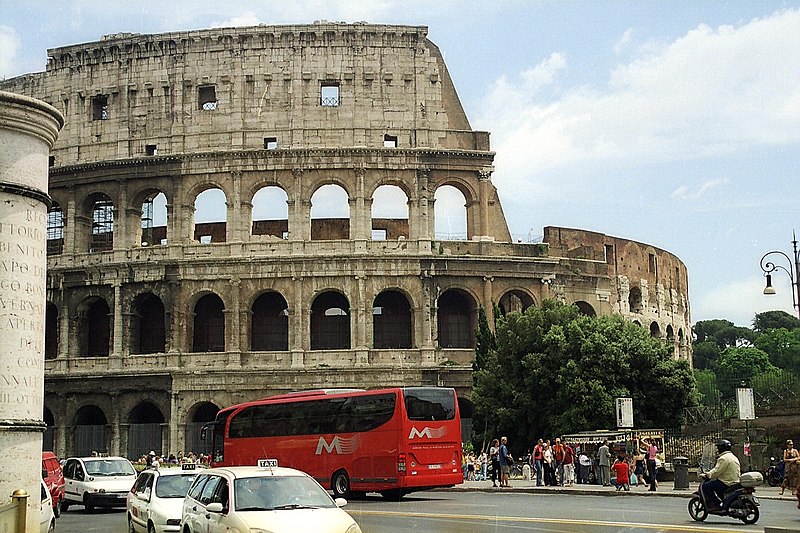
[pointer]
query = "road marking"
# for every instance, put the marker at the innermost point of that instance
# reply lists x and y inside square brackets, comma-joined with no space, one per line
[497,518]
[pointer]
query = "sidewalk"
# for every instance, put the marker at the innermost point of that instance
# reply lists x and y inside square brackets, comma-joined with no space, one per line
[665,488]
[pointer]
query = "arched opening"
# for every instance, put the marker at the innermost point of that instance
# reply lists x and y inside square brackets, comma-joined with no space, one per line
[49,436]
[655,330]
[450,214]
[466,409]
[209,324]
[330,213]
[102,223]
[199,415]
[154,219]
[585,308]
[270,326]
[91,431]
[55,229]
[330,322]
[456,319]
[389,213]
[670,334]
[271,212]
[635,300]
[391,321]
[94,328]
[148,327]
[144,430]
[515,301]
[210,217]
[51,331]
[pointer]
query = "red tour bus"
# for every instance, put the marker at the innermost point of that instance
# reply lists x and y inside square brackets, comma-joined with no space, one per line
[393,441]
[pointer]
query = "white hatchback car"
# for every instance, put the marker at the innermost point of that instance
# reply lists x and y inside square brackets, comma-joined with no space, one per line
[97,482]
[155,501]
[260,500]
[47,519]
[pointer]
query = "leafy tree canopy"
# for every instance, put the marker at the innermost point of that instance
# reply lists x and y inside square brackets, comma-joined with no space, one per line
[723,332]
[556,371]
[782,346]
[775,320]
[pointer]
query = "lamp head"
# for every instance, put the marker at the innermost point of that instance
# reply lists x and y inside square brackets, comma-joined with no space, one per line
[769,289]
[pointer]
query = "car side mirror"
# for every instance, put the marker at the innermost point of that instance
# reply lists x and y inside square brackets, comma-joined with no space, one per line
[340,502]
[215,507]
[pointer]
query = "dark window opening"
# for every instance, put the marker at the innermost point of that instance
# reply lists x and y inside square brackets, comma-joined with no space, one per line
[270,327]
[330,322]
[51,332]
[100,107]
[151,149]
[390,141]
[329,95]
[270,143]
[515,301]
[207,96]
[391,321]
[635,300]
[51,161]
[148,330]
[102,225]
[55,230]
[455,320]
[586,308]
[652,263]
[609,248]
[95,329]
[209,324]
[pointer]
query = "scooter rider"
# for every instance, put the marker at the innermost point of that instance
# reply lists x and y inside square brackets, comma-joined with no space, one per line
[724,474]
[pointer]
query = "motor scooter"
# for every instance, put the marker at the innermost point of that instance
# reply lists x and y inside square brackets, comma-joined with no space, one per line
[775,472]
[738,501]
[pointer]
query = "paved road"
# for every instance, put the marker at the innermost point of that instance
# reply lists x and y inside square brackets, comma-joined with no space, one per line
[470,511]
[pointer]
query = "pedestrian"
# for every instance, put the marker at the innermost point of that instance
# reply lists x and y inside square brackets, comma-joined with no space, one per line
[471,466]
[569,465]
[482,465]
[639,467]
[558,458]
[791,479]
[604,462]
[585,463]
[621,478]
[549,467]
[652,450]
[505,462]
[494,461]
[538,457]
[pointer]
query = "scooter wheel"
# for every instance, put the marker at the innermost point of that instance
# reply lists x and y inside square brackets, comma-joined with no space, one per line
[697,510]
[751,513]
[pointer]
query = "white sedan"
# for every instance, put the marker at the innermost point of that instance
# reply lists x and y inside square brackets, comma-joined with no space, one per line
[155,501]
[262,500]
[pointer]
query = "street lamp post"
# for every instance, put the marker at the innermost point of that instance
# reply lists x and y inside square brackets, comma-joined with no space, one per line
[769,267]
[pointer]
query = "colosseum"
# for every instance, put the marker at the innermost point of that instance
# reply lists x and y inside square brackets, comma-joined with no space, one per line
[241,212]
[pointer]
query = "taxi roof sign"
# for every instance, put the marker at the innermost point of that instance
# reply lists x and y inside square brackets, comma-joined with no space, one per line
[268,463]
[188,466]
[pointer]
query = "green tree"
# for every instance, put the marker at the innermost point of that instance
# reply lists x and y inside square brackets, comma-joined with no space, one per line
[768,320]
[705,354]
[782,346]
[484,340]
[556,371]
[740,365]
[723,332]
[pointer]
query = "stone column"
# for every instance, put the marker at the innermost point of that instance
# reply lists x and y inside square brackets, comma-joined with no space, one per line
[28,129]
[484,182]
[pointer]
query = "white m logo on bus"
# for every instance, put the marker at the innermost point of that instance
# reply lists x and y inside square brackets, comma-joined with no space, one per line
[338,445]
[431,433]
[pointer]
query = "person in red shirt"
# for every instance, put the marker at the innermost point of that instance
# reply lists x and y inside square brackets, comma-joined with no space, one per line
[621,469]
[569,465]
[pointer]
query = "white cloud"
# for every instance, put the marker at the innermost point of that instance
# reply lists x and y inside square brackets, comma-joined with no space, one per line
[9,44]
[712,92]
[245,19]
[623,41]
[684,192]
[740,300]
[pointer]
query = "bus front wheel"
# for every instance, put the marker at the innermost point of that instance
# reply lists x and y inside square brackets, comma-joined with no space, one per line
[340,484]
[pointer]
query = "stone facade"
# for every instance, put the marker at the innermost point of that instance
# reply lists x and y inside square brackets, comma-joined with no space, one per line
[153,326]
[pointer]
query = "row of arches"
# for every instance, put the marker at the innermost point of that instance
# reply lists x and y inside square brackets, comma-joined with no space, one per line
[90,430]
[330,214]
[393,318]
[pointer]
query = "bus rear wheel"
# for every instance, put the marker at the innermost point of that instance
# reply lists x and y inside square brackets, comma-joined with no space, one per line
[340,484]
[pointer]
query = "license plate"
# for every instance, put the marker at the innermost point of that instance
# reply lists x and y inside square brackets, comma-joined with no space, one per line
[434,467]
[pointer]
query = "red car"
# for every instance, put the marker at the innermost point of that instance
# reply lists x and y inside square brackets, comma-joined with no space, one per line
[54,479]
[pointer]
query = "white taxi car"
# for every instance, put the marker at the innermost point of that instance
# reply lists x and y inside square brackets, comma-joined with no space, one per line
[251,499]
[97,482]
[47,519]
[155,501]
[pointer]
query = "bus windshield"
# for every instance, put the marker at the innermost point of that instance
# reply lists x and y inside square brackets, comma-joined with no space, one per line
[425,403]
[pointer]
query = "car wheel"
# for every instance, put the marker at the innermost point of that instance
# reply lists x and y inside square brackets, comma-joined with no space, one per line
[56,510]
[131,529]
[151,528]
[697,510]
[52,528]
[64,506]
[340,484]
[87,504]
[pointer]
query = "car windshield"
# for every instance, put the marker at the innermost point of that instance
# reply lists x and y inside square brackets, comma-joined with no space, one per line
[278,493]
[109,467]
[173,486]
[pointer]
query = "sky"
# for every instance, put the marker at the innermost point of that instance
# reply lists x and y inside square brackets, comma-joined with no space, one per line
[674,123]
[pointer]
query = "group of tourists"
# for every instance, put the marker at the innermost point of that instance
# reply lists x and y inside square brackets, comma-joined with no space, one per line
[562,464]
